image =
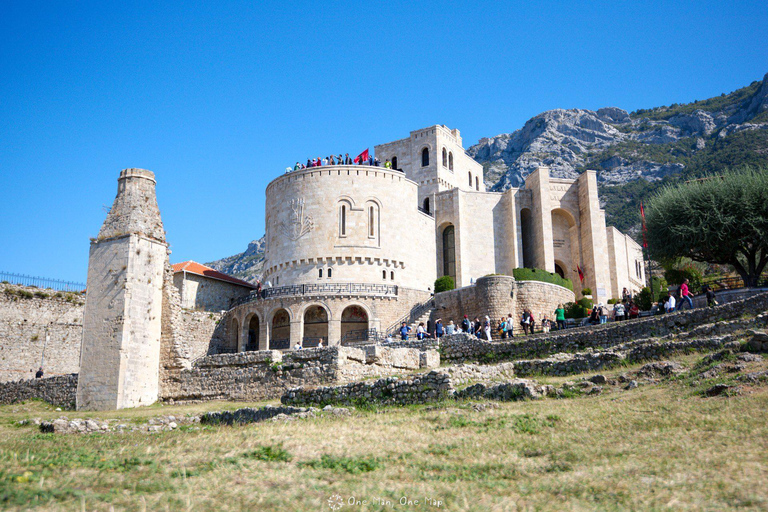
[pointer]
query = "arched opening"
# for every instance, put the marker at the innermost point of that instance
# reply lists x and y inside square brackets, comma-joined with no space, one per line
[320,273]
[565,243]
[450,161]
[394,162]
[526,232]
[425,157]
[445,158]
[253,334]
[559,270]
[234,336]
[477,183]
[384,274]
[426,205]
[280,337]
[330,273]
[392,275]
[470,180]
[354,324]
[449,252]
[315,327]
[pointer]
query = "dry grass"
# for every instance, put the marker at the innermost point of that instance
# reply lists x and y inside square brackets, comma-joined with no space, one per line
[658,447]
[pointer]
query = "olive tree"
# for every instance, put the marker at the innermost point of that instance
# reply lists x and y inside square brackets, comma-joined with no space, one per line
[720,219]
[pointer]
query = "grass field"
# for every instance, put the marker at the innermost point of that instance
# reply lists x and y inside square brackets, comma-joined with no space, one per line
[657,447]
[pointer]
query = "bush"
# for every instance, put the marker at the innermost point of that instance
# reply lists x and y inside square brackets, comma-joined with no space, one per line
[536,274]
[443,284]
[676,276]
[613,301]
[586,291]
[578,309]
[644,300]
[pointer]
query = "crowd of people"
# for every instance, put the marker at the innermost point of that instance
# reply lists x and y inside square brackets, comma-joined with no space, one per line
[362,159]
[506,327]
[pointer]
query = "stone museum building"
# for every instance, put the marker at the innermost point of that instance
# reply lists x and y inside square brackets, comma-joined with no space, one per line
[353,250]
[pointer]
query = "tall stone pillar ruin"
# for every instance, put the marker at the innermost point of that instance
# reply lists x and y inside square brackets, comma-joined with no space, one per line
[120,353]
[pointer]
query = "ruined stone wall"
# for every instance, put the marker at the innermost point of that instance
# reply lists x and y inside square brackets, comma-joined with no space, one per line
[268,374]
[60,390]
[204,333]
[23,324]
[462,347]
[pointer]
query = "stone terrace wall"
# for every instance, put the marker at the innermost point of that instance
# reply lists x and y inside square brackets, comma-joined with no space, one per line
[541,298]
[23,323]
[268,373]
[60,390]
[499,296]
[462,347]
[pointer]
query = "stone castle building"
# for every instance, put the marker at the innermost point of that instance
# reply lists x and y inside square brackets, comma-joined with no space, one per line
[353,250]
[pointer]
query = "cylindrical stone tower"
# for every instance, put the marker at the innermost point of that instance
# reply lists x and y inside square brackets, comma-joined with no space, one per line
[348,224]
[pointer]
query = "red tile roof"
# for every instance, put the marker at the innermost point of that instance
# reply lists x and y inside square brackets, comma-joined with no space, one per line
[194,267]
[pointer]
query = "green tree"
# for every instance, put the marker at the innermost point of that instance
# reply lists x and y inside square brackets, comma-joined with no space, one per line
[720,219]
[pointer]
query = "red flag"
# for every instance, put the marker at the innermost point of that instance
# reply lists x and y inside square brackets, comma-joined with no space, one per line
[362,157]
[581,274]
[642,214]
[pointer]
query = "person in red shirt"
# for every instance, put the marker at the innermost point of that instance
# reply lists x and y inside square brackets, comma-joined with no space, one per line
[685,294]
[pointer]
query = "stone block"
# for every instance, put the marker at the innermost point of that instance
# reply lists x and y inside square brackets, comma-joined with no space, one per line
[429,359]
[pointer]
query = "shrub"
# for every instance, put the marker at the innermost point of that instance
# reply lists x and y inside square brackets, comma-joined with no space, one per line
[536,274]
[644,300]
[613,301]
[690,272]
[443,284]
[586,291]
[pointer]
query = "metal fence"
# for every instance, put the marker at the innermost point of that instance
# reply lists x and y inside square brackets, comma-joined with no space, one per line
[41,282]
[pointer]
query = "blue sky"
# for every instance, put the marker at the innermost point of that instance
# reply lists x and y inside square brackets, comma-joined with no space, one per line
[217,98]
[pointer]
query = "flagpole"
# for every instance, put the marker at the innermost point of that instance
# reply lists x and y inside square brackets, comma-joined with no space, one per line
[646,258]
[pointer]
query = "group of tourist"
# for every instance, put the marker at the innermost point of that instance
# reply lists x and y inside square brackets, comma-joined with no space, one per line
[362,159]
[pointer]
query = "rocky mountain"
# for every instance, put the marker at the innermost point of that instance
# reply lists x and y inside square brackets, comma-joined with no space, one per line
[633,153]
[247,265]
[646,144]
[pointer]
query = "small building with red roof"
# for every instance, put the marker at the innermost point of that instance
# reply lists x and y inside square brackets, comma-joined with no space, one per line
[202,287]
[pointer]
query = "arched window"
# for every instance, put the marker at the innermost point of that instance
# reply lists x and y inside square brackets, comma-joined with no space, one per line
[330,273]
[426,205]
[343,220]
[470,180]
[425,157]
[394,162]
[371,221]
[384,274]
[392,275]
[477,183]
[445,158]
[319,272]
[450,161]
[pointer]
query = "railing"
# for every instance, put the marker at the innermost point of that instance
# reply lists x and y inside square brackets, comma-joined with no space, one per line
[369,289]
[279,344]
[42,282]
[415,312]
[360,335]
[732,283]
[425,211]
[311,342]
